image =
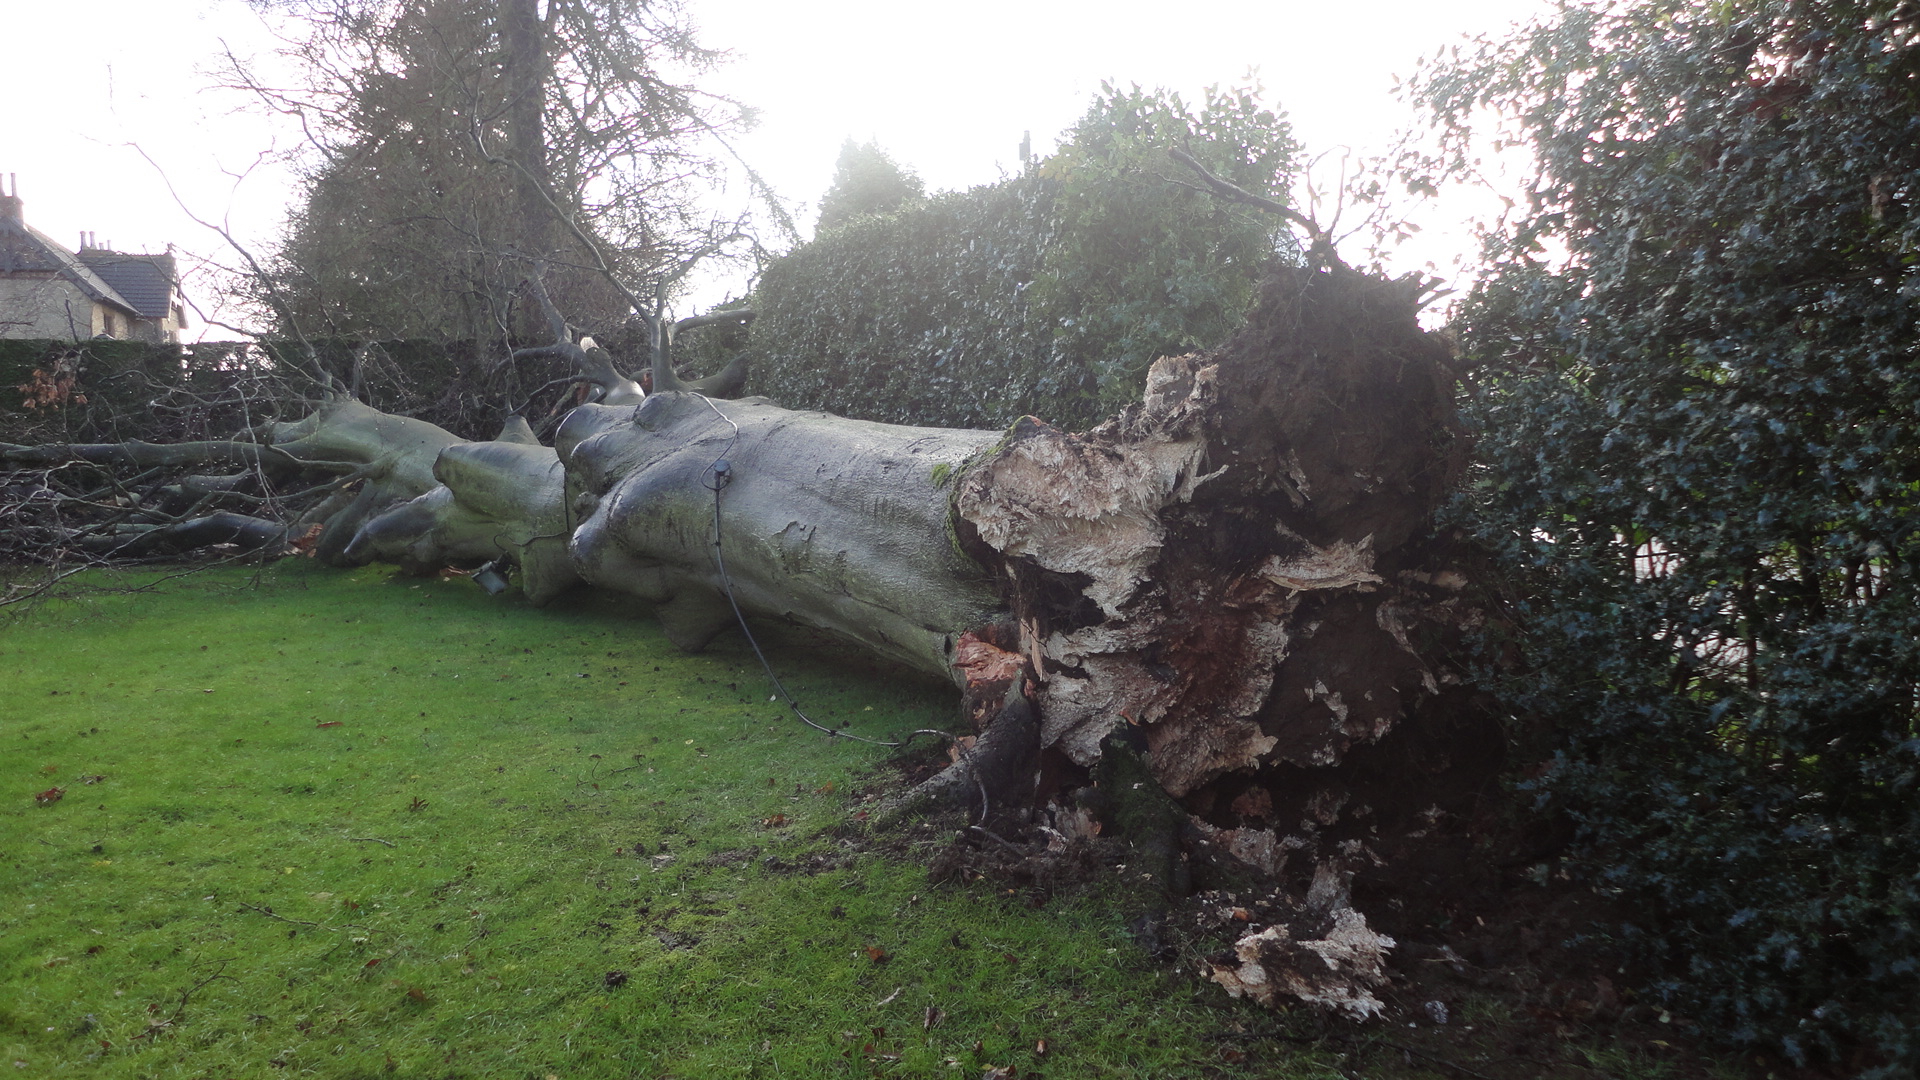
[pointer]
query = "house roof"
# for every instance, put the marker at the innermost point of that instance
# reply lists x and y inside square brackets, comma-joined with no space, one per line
[25,249]
[146,281]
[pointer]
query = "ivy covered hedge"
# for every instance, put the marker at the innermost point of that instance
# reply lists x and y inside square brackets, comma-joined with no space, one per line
[1047,293]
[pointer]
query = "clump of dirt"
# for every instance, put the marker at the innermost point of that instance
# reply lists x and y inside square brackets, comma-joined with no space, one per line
[1487,975]
[1340,397]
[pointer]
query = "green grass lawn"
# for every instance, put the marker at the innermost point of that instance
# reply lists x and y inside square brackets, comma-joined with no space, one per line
[346,824]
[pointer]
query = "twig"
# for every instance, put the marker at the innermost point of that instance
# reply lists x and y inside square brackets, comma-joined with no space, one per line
[271,914]
[371,840]
[996,838]
[195,988]
[28,594]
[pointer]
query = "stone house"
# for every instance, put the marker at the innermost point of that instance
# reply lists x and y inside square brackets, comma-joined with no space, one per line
[47,291]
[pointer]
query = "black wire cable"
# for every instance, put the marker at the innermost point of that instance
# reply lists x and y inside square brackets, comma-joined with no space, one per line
[720,473]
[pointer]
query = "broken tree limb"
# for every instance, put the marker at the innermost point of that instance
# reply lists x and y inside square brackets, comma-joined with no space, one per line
[140,541]
[139,455]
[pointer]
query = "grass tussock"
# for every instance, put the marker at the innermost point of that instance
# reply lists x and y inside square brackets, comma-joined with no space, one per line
[352,825]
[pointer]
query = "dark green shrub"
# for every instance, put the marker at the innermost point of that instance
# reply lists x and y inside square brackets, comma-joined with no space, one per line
[916,317]
[1047,293]
[1700,428]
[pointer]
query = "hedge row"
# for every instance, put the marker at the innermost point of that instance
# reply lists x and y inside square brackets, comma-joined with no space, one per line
[1048,293]
[210,390]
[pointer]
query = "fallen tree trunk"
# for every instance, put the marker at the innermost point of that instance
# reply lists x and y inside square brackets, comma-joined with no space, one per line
[834,523]
[1238,578]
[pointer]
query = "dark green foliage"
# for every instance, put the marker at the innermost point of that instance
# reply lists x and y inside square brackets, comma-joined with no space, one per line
[1047,293]
[1701,432]
[1140,266]
[866,181]
[134,390]
[462,140]
[916,317]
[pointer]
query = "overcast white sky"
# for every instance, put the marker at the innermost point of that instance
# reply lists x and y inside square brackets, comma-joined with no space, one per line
[947,90]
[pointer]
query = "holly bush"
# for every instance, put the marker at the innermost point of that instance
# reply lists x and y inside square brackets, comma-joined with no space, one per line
[1698,406]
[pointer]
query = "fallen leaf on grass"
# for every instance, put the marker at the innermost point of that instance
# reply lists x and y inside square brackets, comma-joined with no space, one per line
[932,1018]
[49,770]
[417,994]
[877,954]
[775,821]
[50,796]
[330,723]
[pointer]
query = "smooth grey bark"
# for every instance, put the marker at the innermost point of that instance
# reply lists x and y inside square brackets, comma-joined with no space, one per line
[394,456]
[833,523]
[504,498]
[138,541]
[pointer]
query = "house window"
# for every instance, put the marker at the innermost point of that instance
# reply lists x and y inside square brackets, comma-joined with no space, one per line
[111,332]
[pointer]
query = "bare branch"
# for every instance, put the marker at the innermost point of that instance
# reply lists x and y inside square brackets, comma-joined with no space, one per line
[1226,189]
